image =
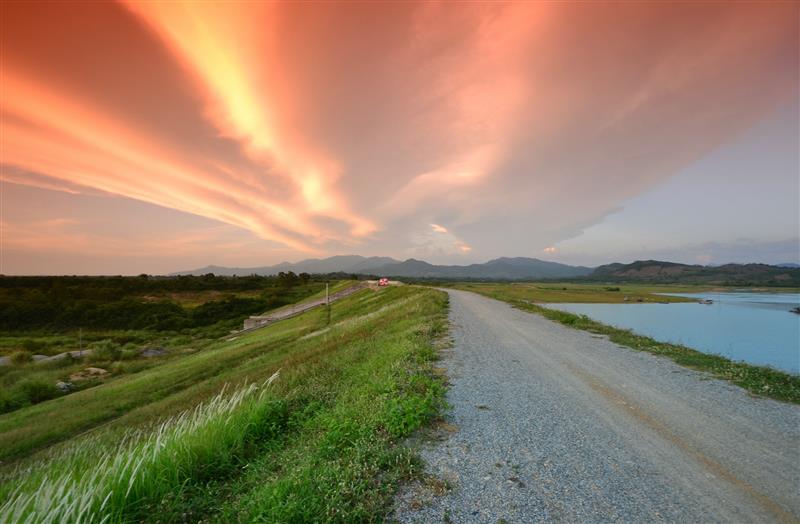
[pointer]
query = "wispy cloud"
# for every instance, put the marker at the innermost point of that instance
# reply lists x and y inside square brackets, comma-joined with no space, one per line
[340,126]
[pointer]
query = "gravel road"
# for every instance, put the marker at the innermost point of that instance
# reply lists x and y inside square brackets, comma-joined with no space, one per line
[551,423]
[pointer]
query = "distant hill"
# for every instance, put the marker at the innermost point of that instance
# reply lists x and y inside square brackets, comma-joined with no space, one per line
[335,264]
[498,269]
[669,272]
[521,268]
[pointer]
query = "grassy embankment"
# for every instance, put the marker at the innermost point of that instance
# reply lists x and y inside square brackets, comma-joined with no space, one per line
[758,380]
[318,444]
[214,312]
[211,314]
[567,292]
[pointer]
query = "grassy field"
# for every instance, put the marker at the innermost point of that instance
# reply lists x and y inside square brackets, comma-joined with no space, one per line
[320,443]
[758,380]
[53,340]
[556,292]
[119,351]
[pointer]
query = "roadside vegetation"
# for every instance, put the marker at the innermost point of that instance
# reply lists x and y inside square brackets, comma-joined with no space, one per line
[758,380]
[567,292]
[51,305]
[203,436]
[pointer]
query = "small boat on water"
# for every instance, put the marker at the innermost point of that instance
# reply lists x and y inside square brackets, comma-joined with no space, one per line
[795,310]
[706,301]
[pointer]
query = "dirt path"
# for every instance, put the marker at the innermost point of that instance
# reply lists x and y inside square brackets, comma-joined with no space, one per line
[559,424]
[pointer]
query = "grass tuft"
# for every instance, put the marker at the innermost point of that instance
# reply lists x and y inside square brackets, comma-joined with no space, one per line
[81,485]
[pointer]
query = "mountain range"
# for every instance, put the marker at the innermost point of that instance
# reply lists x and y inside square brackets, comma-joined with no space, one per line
[518,268]
[521,268]
[656,271]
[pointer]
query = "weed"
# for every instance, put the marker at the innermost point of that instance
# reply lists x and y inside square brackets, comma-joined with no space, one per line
[18,358]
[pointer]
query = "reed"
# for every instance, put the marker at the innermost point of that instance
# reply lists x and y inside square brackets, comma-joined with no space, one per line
[86,484]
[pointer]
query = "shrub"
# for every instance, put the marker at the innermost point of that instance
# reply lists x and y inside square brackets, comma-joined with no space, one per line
[106,350]
[9,401]
[128,354]
[128,367]
[33,345]
[21,357]
[35,391]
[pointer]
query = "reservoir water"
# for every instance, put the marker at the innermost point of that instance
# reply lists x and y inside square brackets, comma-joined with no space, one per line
[757,328]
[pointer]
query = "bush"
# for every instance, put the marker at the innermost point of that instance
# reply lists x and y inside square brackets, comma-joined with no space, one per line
[128,354]
[128,367]
[9,401]
[35,391]
[106,350]
[33,345]
[21,357]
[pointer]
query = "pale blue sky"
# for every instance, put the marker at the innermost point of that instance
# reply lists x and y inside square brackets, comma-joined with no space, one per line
[583,132]
[740,203]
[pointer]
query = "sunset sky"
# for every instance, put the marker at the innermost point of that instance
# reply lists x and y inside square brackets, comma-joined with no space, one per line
[150,137]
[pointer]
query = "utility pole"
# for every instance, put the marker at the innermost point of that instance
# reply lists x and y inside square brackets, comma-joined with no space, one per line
[328,303]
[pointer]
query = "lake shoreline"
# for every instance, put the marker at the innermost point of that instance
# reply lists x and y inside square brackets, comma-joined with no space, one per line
[758,380]
[757,328]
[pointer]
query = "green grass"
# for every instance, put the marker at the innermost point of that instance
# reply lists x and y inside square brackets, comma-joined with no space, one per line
[556,292]
[212,324]
[758,380]
[116,351]
[347,395]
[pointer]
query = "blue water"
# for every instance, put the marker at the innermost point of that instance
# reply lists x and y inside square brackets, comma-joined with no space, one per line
[752,327]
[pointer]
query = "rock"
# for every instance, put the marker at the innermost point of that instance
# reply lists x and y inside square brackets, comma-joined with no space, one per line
[65,387]
[87,374]
[153,352]
[73,354]
[37,358]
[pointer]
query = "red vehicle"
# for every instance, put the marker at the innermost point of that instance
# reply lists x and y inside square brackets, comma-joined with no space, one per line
[383,282]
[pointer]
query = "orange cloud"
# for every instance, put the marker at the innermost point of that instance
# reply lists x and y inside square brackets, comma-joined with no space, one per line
[330,125]
[86,148]
[230,49]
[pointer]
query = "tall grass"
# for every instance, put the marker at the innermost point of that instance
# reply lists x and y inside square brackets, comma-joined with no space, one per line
[323,445]
[86,484]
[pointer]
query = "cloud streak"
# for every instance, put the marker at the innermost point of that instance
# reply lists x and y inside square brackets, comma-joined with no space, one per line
[330,127]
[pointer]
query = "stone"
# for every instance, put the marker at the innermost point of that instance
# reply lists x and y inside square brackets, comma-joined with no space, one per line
[65,387]
[87,374]
[153,352]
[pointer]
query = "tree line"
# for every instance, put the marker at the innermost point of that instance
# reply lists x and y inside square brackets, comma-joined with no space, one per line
[118,302]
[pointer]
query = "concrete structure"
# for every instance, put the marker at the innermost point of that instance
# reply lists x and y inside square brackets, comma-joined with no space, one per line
[258,321]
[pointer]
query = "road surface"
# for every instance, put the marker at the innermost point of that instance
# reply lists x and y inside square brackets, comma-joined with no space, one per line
[551,423]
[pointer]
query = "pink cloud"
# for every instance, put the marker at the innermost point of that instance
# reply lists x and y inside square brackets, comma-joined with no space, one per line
[348,126]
